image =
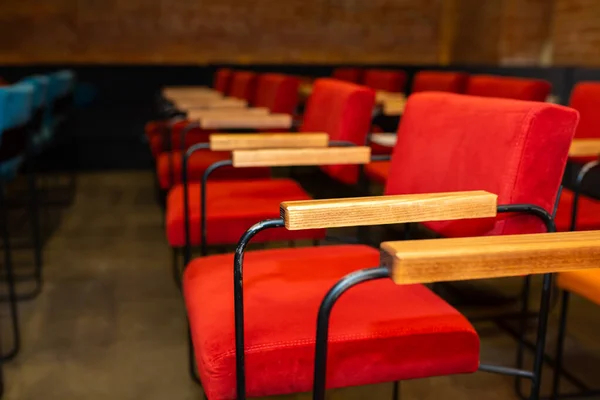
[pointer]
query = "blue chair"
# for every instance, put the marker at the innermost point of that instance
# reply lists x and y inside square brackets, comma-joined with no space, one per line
[16,112]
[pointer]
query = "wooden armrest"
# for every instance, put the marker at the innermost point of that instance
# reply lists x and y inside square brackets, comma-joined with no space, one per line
[297,157]
[182,94]
[227,102]
[393,107]
[279,121]
[382,210]
[382,96]
[584,148]
[195,114]
[232,141]
[384,139]
[305,89]
[437,260]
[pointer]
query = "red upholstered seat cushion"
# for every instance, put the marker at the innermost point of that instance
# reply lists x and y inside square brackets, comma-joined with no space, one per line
[353,75]
[437,81]
[388,80]
[378,171]
[198,163]
[509,88]
[588,213]
[515,149]
[222,80]
[585,99]
[243,86]
[277,92]
[232,208]
[343,110]
[380,332]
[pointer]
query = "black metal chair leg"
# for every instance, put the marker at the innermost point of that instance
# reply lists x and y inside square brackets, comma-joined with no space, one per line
[396,391]
[36,234]
[175,267]
[522,333]
[10,279]
[560,343]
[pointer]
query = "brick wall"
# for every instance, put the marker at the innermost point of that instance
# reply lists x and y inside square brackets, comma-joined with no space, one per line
[192,31]
[576,37]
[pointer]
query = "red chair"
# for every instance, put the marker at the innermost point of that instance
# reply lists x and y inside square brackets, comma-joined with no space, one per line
[478,85]
[353,75]
[437,81]
[342,110]
[577,212]
[278,93]
[221,82]
[379,332]
[386,80]
[242,86]
[508,87]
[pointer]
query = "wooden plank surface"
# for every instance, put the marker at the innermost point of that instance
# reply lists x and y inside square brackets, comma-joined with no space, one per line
[232,141]
[271,121]
[297,157]
[585,148]
[439,260]
[381,210]
[196,114]
[227,102]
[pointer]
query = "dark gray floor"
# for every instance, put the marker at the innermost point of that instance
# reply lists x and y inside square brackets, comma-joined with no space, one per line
[110,323]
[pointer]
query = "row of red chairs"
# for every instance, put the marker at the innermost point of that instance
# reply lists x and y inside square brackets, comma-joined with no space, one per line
[262,341]
[279,94]
[453,82]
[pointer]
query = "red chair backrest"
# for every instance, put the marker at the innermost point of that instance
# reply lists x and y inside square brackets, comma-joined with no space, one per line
[585,98]
[243,86]
[277,92]
[509,88]
[383,79]
[343,110]
[353,75]
[222,80]
[437,81]
[515,149]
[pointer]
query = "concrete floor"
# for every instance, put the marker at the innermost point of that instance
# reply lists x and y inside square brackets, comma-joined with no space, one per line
[110,323]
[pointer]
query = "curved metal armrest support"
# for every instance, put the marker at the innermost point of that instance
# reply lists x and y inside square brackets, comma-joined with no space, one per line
[187,254]
[435,266]
[381,157]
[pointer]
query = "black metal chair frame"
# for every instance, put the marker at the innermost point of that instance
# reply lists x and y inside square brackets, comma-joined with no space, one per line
[365,275]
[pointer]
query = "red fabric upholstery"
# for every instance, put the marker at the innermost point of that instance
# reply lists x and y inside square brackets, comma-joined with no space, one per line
[379,332]
[509,88]
[193,136]
[517,150]
[353,75]
[378,171]
[588,213]
[343,110]
[277,92]
[243,86]
[585,99]
[154,128]
[197,164]
[222,80]
[437,81]
[232,208]
[388,80]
